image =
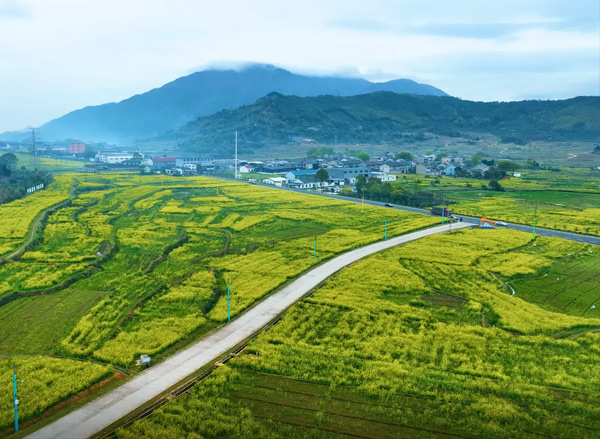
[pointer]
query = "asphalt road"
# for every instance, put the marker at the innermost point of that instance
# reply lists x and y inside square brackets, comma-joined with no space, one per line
[104,411]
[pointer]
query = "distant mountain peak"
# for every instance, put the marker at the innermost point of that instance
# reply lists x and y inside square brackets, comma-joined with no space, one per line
[204,93]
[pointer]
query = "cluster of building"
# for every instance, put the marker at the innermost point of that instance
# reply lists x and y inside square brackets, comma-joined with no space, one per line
[302,173]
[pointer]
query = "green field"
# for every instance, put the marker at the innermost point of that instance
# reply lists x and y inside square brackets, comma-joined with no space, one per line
[401,344]
[566,200]
[49,164]
[420,341]
[132,264]
[571,286]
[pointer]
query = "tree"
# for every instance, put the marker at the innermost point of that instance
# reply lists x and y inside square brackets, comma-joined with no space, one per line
[440,155]
[507,166]
[495,186]
[364,156]
[404,155]
[474,161]
[9,160]
[361,183]
[322,175]
[597,150]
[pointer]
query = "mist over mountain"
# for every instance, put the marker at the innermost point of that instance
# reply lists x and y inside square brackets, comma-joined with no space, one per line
[386,117]
[200,94]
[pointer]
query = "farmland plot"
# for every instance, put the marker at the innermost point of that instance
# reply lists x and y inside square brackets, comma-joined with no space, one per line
[420,341]
[138,264]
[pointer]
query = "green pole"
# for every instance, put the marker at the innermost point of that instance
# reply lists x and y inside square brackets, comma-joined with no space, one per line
[534,218]
[228,303]
[315,250]
[15,399]
[443,210]
[385,230]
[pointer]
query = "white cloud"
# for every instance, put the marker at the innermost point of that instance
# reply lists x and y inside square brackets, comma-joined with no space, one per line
[59,55]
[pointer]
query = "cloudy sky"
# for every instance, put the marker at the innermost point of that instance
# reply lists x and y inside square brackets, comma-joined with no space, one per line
[60,55]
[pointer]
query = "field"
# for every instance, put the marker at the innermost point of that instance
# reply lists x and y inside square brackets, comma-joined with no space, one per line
[49,164]
[42,382]
[566,200]
[420,341]
[570,286]
[133,264]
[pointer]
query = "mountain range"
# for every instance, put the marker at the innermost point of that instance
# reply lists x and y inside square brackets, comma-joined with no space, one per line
[200,94]
[385,117]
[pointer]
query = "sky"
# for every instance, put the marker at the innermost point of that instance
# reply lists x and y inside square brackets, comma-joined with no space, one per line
[60,55]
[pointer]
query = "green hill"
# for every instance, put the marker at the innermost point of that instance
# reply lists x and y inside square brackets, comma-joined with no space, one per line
[383,117]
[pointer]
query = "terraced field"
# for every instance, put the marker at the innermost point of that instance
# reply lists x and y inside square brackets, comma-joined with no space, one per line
[420,341]
[129,264]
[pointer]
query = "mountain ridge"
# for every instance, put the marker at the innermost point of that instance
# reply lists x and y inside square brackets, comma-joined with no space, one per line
[184,99]
[386,117]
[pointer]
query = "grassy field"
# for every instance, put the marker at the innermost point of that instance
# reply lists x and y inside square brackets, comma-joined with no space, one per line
[420,341]
[570,286]
[138,264]
[42,382]
[49,164]
[567,200]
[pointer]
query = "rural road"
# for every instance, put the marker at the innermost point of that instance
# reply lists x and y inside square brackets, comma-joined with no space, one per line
[101,413]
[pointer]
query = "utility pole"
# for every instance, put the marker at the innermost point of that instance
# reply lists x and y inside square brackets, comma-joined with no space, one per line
[33,146]
[534,218]
[235,160]
[15,399]
[443,209]
[385,230]
[315,250]
[228,304]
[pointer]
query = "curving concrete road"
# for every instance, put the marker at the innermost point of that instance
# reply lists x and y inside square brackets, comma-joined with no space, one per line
[104,411]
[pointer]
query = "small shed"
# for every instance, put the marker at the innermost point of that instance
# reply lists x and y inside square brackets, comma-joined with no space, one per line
[145,360]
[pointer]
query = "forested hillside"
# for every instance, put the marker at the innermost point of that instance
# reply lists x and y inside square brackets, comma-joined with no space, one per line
[386,117]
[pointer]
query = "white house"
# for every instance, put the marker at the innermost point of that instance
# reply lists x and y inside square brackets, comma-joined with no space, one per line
[383,176]
[275,181]
[174,171]
[114,157]
[245,169]
[385,168]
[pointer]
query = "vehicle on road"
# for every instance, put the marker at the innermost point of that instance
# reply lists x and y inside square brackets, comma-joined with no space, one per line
[501,223]
[388,205]
[436,210]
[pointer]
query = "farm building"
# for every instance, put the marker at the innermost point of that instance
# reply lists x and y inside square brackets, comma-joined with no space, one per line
[275,181]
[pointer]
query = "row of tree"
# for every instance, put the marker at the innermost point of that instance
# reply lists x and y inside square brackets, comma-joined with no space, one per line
[15,180]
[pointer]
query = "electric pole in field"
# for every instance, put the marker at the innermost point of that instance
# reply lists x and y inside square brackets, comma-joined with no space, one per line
[15,399]
[235,160]
[534,218]
[33,146]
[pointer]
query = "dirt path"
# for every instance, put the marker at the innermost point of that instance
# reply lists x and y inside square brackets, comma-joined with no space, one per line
[33,229]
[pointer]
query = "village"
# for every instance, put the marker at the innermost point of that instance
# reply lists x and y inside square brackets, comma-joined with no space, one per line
[332,172]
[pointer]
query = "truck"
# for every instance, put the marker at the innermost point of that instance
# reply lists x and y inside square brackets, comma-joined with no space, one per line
[439,211]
